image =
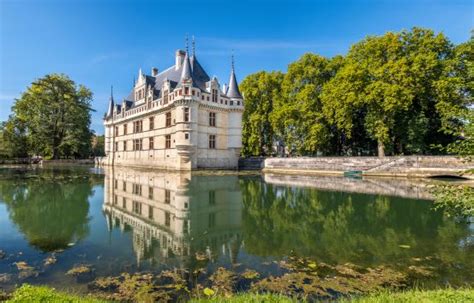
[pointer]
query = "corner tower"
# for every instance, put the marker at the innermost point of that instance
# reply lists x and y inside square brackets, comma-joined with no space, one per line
[234,138]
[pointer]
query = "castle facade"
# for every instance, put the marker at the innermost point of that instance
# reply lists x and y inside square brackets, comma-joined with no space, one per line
[178,119]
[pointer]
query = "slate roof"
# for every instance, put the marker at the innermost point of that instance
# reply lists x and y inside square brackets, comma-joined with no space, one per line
[187,73]
[110,110]
[199,75]
[173,75]
[233,90]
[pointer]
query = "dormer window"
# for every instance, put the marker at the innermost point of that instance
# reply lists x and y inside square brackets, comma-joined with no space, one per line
[186,91]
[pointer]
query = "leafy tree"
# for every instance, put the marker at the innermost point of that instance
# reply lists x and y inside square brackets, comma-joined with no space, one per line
[14,140]
[260,91]
[53,117]
[464,145]
[98,146]
[375,77]
[297,117]
[409,86]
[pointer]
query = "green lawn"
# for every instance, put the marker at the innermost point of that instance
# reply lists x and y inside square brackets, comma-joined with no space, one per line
[418,296]
[248,298]
[412,296]
[28,293]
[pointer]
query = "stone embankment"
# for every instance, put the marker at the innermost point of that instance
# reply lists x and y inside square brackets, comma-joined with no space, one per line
[398,187]
[400,166]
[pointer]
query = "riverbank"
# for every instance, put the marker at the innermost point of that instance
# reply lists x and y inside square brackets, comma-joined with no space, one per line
[397,166]
[27,161]
[28,293]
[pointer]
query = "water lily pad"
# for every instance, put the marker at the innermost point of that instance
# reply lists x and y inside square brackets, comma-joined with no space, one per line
[208,292]
[312,265]
[250,274]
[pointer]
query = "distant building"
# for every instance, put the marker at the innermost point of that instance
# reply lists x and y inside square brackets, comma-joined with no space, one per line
[179,119]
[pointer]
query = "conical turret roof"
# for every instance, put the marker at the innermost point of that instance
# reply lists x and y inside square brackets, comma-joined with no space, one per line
[110,110]
[233,90]
[186,73]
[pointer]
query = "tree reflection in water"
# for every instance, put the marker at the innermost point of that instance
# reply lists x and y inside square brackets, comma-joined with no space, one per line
[49,206]
[339,227]
[198,222]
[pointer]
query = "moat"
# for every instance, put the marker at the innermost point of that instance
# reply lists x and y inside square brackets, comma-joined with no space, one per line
[310,236]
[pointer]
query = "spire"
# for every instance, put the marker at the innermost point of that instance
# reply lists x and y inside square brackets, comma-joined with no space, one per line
[187,73]
[232,59]
[110,111]
[187,44]
[233,89]
[194,47]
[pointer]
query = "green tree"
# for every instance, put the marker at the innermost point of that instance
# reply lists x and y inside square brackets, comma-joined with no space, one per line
[297,117]
[375,77]
[53,117]
[409,87]
[260,91]
[98,146]
[464,68]
[14,139]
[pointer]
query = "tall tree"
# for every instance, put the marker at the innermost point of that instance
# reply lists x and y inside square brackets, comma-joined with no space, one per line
[53,114]
[375,77]
[463,67]
[14,139]
[406,86]
[297,117]
[260,91]
[98,146]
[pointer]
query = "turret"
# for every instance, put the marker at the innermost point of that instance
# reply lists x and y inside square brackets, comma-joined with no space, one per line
[233,90]
[110,110]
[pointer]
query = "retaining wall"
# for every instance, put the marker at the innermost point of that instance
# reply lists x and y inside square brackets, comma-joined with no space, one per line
[416,166]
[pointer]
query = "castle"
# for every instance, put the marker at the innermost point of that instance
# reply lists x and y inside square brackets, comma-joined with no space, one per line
[178,119]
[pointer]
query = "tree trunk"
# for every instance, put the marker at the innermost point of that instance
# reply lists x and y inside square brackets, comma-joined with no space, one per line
[380,148]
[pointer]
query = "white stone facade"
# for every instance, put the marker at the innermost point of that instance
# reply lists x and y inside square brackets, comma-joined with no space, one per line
[178,119]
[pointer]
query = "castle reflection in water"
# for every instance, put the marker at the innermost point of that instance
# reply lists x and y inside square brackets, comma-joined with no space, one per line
[167,221]
[184,216]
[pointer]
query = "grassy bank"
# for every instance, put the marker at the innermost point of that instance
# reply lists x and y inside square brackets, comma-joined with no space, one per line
[417,296]
[411,296]
[28,293]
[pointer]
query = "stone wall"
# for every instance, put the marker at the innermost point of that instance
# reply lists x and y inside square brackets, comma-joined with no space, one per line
[417,166]
[399,187]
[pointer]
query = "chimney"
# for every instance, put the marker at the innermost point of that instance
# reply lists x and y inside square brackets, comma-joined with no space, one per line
[154,71]
[179,58]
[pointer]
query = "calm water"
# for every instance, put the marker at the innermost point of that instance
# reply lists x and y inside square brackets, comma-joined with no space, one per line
[125,220]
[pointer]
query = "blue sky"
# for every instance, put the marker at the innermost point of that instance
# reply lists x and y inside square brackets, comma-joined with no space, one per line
[102,43]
